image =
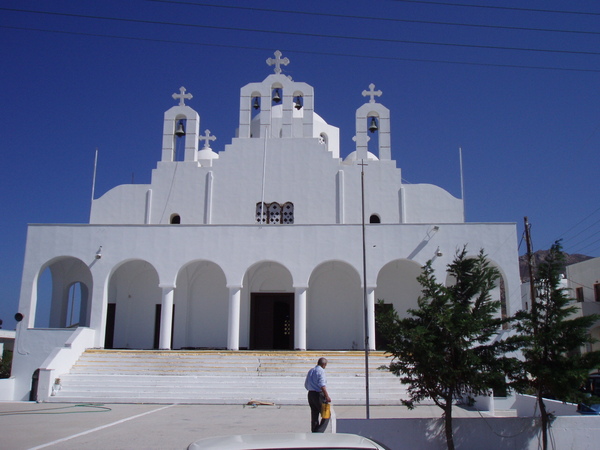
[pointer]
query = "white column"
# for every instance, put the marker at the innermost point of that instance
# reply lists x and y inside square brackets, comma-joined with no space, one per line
[166,317]
[371,316]
[233,330]
[300,318]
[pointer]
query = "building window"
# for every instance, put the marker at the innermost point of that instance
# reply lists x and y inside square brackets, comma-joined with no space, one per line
[597,292]
[579,294]
[275,213]
[374,219]
[175,219]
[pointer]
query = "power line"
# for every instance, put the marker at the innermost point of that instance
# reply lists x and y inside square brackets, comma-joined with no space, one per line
[318,35]
[577,224]
[506,8]
[582,231]
[348,55]
[371,18]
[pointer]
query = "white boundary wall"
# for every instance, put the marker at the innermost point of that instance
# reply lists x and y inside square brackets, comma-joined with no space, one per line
[567,432]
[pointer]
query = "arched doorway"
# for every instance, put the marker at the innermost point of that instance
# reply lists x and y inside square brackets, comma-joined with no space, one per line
[398,289]
[134,301]
[335,319]
[202,300]
[270,307]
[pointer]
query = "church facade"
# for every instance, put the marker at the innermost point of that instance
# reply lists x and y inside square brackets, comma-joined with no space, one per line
[274,242]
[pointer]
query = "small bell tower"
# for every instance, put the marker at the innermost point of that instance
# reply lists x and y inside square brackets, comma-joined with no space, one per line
[373,117]
[181,123]
[277,107]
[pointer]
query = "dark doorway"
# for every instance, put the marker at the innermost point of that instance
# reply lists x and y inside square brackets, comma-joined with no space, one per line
[272,321]
[109,334]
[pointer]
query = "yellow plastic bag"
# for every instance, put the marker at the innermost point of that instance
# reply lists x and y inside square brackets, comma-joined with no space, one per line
[325,410]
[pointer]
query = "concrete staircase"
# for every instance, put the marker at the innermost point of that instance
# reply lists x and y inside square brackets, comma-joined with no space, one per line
[223,377]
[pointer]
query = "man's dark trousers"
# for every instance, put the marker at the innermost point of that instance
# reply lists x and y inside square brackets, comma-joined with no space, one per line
[315,400]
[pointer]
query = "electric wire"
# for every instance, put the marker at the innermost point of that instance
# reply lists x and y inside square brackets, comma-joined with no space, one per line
[337,54]
[371,18]
[506,8]
[582,244]
[318,35]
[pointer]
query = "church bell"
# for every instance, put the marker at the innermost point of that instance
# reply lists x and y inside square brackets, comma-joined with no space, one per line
[276,96]
[180,131]
[373,126]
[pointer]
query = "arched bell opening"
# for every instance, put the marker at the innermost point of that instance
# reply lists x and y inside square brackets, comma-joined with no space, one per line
[373,133]
[298,101]
[276,94]
[255,104]
[179,138]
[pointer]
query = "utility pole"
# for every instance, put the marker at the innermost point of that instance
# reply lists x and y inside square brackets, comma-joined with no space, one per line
[530,267]
[365,302]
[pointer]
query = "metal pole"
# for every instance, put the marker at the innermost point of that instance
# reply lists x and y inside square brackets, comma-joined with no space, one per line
[94,181]
[364,251]
[462,183]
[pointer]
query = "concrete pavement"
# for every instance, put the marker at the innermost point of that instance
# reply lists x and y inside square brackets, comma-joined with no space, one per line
[26,425]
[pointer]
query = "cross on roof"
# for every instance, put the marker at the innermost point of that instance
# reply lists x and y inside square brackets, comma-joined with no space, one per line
[371,93]
[278,62]
[182,96]
[207,138]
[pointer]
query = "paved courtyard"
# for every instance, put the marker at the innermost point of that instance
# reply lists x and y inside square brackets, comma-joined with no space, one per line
[27,425]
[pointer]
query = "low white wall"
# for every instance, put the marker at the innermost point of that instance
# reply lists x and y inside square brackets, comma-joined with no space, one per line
[62,359]
[7,389]
[574,432]
[526,406]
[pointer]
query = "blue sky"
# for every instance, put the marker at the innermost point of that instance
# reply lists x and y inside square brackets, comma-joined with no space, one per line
[515,84]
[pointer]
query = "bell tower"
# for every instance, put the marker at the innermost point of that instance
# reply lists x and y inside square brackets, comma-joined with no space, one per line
[278,104]
[181,123]
[373,117]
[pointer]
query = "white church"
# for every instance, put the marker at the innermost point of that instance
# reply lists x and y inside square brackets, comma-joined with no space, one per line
[258,246]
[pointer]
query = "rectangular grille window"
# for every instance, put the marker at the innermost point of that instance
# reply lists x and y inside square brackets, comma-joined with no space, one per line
[275,213]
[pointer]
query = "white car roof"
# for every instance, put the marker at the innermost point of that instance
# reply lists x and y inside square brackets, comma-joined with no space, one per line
[286,441]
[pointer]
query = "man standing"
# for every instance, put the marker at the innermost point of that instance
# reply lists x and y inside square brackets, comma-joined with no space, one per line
[316,385]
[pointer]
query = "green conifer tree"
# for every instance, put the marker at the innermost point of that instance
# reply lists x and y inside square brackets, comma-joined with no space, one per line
[450,347]
[552,339]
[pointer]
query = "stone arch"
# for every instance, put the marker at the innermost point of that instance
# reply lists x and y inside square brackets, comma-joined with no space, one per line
[335,305]
[133,290]
[56,306]
[201,306]
[267,307]
[397,285]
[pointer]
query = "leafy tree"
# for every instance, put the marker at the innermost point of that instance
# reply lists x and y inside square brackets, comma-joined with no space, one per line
[5,364]
[449,347]
[552,339]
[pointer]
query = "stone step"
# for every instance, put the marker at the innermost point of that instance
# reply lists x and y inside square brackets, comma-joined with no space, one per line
[220,377]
